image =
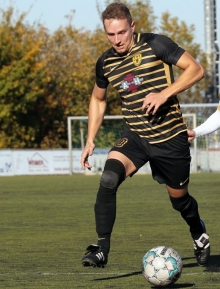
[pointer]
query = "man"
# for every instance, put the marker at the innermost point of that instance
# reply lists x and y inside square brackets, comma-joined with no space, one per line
[210,125]
[139,68]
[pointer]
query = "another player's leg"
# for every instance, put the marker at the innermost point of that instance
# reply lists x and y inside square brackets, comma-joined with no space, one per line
[105,213]
[188,208]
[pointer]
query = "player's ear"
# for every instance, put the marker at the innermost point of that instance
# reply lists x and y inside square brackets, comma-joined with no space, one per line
[132,26]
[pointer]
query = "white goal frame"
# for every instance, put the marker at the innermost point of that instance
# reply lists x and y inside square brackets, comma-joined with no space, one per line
[80,118]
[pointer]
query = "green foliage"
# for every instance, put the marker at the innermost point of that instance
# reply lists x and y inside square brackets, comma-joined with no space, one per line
[22,78]
[182,34]
[108,134]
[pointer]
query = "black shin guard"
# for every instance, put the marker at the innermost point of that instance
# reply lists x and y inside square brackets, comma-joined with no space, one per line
[188,208]
[105,206]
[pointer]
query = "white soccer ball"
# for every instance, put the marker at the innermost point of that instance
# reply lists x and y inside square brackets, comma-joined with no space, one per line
[162,266]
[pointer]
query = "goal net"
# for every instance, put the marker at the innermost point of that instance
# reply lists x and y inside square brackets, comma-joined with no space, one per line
[205,151]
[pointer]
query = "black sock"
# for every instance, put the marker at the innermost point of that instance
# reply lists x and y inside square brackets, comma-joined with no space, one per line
[197,232]
[188,208]
[191,215]
[105,214]
[104,242]
[105,207]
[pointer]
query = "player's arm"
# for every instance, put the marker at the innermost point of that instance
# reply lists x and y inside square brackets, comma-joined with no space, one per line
[210,125]
[192,73]
[96,113]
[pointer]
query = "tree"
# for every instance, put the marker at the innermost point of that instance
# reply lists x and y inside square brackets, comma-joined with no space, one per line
[22,79]
[182,34]
[43,79]
[70,70]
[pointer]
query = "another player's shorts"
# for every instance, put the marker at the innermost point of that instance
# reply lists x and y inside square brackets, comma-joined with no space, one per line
[169,160]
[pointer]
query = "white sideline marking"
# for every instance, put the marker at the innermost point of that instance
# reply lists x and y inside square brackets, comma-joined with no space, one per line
[90,273]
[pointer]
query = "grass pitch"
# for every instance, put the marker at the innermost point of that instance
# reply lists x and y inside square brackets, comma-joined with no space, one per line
[48,221]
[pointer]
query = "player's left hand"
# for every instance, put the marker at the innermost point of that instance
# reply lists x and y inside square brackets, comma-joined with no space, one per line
[152,102]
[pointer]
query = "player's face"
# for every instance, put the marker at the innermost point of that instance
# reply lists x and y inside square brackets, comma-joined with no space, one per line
[120,34]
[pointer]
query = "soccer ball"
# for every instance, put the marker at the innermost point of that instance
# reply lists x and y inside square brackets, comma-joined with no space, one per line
[162,266]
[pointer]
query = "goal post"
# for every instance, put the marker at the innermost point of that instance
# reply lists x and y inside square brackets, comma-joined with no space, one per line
[109,132]
[81,120]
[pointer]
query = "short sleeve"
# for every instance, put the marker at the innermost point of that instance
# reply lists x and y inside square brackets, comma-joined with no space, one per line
[166,49]
[101,80]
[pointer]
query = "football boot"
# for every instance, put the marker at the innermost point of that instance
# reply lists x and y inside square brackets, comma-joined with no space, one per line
[95,257]
[202,247]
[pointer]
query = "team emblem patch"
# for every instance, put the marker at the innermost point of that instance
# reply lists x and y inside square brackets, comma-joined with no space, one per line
[131,82]
[121,142]
[137,58]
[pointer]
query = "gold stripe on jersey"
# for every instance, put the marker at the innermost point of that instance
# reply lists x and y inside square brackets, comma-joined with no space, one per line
[146,66]
[145,121]
[165,139]
[158,134]
[144,90]
[174,109]
[148,129]
[136,75]
[167,72]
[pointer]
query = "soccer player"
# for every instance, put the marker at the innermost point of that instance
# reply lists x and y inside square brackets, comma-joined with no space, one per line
[210,125]
[139,66]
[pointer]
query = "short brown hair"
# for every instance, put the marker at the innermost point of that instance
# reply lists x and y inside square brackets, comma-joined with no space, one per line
[117,11]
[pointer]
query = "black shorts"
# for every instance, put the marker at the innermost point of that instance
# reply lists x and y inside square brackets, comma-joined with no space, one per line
[169,160]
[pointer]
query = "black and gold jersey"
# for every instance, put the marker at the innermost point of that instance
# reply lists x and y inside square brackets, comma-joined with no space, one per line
[146,68]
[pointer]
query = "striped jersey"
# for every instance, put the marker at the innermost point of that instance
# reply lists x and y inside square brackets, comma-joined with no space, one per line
[146,68]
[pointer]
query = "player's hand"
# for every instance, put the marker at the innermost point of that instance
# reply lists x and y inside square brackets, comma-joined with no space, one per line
[191,134]
[152,102]
[88,151]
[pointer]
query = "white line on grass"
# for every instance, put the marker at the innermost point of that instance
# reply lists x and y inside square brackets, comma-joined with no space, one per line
[91,273]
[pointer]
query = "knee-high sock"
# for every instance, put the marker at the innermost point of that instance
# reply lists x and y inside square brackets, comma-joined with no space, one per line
[105,214]
[105,207]
[188,207]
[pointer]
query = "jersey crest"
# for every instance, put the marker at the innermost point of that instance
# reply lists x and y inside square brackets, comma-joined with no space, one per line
[137,58]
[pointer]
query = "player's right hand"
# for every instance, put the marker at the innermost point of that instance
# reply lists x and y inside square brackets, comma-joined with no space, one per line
[88,151]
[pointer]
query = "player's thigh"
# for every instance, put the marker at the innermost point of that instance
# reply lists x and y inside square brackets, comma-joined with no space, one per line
[177,193]
[170,163]
[130,168]
[130,151]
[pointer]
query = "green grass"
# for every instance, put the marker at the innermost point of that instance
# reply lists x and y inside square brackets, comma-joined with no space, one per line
[46,223]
